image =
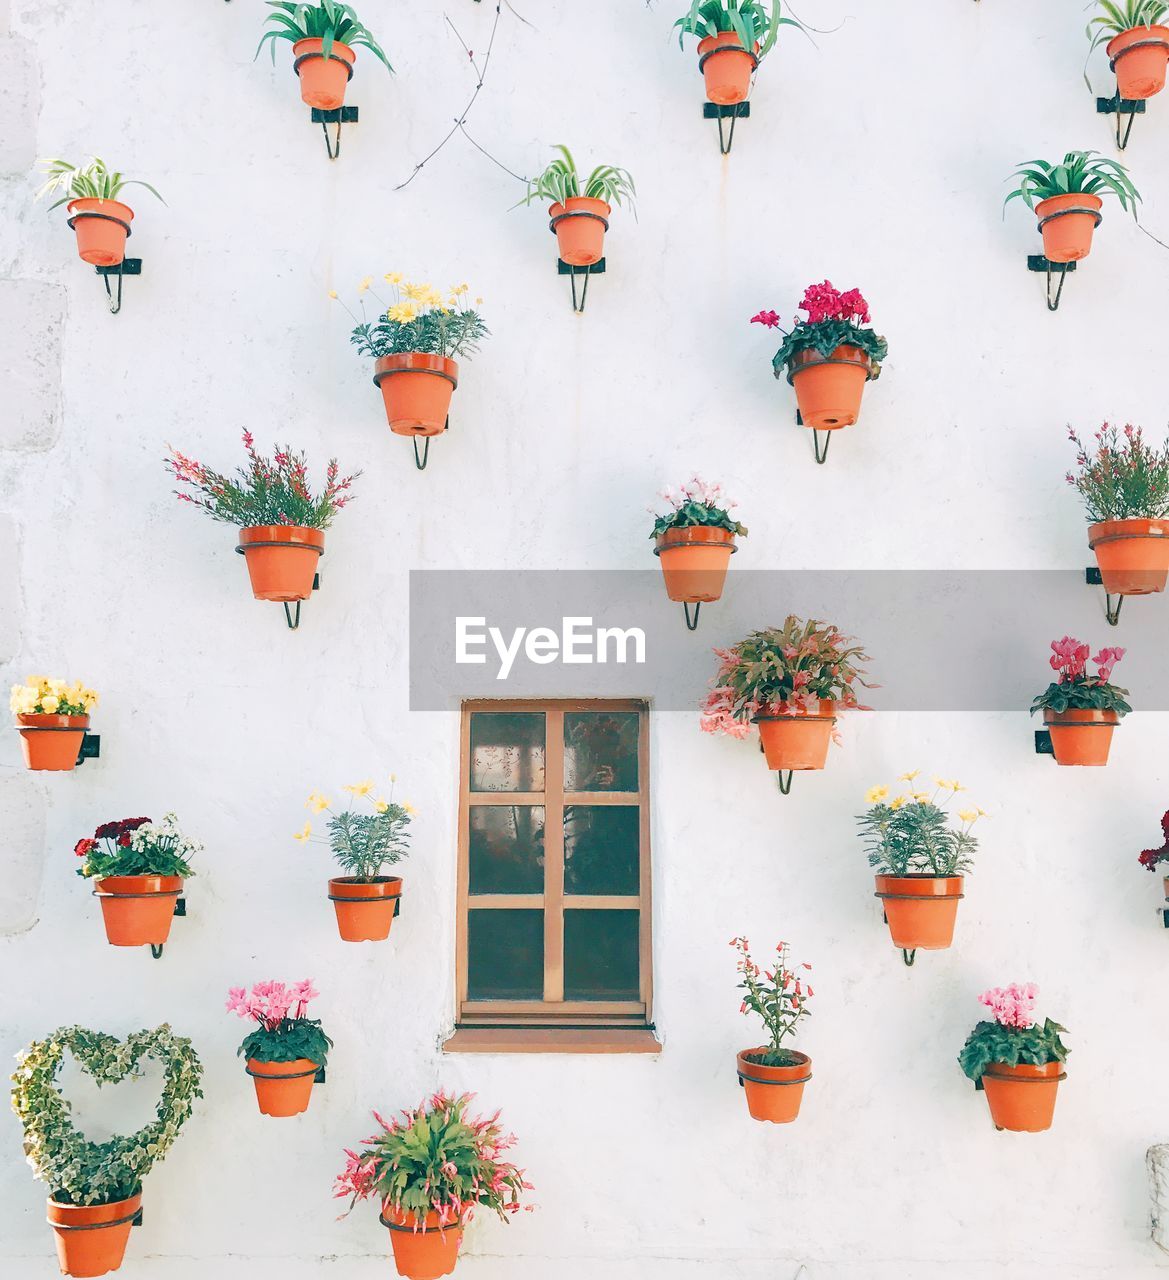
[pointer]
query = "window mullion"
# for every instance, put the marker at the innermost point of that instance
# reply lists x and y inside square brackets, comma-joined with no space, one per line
[554,857]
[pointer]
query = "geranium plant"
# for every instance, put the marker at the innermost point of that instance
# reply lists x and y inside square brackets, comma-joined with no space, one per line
[833,319]
[1013,1035]
[913,833]
[284,1032]
[327,21]
[695,504]
[418,318]
[1119,477]
[46,695]
[1074,688]
[1151,859]
[137,847]
[778,996]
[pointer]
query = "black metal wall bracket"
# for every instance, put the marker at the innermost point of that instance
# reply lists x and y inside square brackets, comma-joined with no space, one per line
[909,956]
[319,1078]
[784,783]
[180,910]
[1043,745]
[90,748]
[691,622]
[137,1222]
[1165,917]
[127,267]
[567,269]
[1093,578]
[1037,262]
[339,116]
[293,619]
[420,463]
[731,111]
[1121,107]
[821,454]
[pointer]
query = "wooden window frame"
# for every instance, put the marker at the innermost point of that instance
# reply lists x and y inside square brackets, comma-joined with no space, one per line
[553,1023]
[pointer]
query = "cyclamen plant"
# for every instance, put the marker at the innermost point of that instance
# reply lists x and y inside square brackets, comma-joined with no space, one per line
[695,504]
[1074,688]
[785,670]
[365,845]
[419,319]
[1152,858]
[284,1033]
[44,695]
[776,995]
[834,319]
[264,492]
[435,1159]
[911,834]
[137,847]
[1014,1036]
[1121,478]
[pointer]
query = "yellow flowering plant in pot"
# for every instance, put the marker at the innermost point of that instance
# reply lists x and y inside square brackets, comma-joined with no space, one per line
[366,845]
[52,716]
[414,341]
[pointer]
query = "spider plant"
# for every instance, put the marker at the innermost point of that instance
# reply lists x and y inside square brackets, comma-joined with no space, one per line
[327,20]
[1081,173]
[560,181]
[748,19]
[1115,18]
[92,181]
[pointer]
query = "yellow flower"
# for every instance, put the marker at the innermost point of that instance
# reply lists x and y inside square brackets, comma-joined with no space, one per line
[478,302]
[333,294]
[416,292]
[49,703]
[90,698]
[922,797]
[403,312]
[897,803]
[982,813]
[302,836]
[361,288]
[409,808]
[380,806]
[909,777]
[956,786]
[360,788]
[317,802]
[393,777]
[393,277]
[968,815]
[461,289]
[874,795]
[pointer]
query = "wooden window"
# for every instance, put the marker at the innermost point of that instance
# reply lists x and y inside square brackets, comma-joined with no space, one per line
[554,878]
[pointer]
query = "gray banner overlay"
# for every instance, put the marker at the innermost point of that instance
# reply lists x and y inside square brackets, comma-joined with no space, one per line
[937,640]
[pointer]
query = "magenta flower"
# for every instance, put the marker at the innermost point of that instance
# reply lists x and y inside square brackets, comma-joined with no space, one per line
[768,318]
[1012,1006]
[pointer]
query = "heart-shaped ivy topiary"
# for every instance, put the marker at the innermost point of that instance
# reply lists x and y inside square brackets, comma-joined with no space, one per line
[82,1172]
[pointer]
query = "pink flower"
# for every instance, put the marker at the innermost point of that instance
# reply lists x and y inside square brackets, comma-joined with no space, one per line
[1012,1006]
[768,318]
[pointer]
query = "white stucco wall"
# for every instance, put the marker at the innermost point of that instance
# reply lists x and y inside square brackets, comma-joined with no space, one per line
[876,158]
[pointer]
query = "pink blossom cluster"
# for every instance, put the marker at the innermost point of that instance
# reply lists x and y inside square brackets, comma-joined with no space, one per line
[1070,658]
[1012,1006]
[823,302]
[694,490]
[269,1003]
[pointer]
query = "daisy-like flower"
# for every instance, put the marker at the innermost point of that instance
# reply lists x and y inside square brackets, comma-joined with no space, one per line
[874,795]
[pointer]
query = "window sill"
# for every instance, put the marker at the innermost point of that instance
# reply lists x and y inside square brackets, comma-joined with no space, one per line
[552,1040]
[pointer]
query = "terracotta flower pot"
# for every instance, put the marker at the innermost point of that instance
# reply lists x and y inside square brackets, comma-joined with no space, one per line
[51,742]
[1081,737]
[773,1093]
[1140,72]
[282,559]
[726,67]
[323,81]
[423,1251]
[283,1088]
[580,224]
[365,909]
[694,562]
[417,390]
[1067,237]
[101,240]
[797,741]
[92,1239]
[829,389]
[921,910]
[1133,555]
[138,910]
[1022,1098]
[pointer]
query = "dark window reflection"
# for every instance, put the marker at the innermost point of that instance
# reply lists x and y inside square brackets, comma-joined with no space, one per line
[507,848]
[601,849]
[601,955]
[505,955]
[600,751]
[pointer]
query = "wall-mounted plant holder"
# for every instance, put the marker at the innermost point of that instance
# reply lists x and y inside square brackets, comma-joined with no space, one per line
[127,267]
[1094,578]
[342,115]
[1060,270]
[722,112]
[567,269]
[180,911]
[1043,746]
[420,462]
[90,748]
[821,454]
[1126,111]
[293,620]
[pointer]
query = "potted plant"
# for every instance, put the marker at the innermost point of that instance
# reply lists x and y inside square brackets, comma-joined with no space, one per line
[790,681]
[138,867]
[1067,200]
[324,37]
[733,37]
[580,212]
[695,533]
[365,845]
[1016,1062]
[1151,859]
[51,718]
[1124,485]
[95,1188]
[828,356]
[281,523]
[773,1077]
[287,1050]
[100,220]
[920,860]
[430,1170]
[1081,710]
[1137,44]
[413,343]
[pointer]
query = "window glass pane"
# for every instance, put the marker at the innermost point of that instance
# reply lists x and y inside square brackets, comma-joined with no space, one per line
[507,751]
[601,848]
[601,955]
[506,848]
[505,955]
[600,751]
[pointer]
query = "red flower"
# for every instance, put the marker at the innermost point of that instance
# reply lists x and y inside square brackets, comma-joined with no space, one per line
[768,318]
[83,848]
